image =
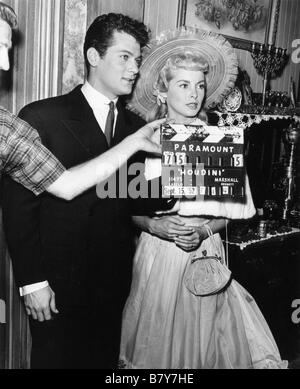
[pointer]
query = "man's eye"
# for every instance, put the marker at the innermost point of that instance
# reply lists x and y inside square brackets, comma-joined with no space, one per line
[201,86]
[138,62]
[125,57]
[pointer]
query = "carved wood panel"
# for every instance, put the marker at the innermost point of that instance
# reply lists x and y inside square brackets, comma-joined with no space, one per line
[132,8]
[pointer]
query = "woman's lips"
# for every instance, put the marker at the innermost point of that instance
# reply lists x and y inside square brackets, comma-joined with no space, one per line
[192,106]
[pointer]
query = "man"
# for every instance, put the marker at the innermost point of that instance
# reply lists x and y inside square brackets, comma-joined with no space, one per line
[79,250]
[26,160]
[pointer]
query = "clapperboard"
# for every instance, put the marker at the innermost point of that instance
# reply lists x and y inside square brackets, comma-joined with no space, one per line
[202,161]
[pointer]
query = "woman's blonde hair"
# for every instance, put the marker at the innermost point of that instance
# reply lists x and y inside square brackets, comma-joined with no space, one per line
[186,60]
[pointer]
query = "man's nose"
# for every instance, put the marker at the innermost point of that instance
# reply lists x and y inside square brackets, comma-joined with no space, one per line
[4,60]
[133,67]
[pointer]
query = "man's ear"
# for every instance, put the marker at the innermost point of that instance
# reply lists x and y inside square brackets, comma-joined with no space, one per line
[93,56]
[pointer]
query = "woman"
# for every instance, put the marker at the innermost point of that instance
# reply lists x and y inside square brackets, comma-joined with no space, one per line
[165,326]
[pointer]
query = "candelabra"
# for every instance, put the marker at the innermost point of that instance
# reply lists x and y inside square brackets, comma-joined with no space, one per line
[291,138]
[269,61]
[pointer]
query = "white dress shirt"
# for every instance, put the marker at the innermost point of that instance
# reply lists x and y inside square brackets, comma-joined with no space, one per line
[100,106]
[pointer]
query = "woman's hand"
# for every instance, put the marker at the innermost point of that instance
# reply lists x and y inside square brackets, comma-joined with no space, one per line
[168,227]
[191,242]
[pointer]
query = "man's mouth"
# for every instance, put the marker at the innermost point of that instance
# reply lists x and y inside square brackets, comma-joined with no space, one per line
[130,80]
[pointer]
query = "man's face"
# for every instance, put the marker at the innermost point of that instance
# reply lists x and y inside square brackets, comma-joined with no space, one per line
[114,74]
[5,44]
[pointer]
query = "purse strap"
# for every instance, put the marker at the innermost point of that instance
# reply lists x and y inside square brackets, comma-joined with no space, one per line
[211,236]
[226,245]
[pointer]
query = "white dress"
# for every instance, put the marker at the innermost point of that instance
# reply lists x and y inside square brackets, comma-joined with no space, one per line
[167,327]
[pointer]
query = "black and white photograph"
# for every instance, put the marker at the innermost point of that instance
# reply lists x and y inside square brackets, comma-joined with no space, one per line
[149,187]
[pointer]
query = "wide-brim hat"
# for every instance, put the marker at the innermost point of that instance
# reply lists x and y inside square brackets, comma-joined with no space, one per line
[215,50]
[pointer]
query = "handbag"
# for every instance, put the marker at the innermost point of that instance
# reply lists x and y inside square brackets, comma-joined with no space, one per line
[208,274]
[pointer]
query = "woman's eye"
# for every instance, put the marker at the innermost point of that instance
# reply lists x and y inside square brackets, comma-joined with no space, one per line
[201,86]
[183,86]
[125,57]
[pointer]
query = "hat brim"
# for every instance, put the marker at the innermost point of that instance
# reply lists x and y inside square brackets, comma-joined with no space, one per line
[213,48]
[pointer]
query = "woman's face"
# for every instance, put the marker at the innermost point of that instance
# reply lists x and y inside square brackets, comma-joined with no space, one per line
[185,94]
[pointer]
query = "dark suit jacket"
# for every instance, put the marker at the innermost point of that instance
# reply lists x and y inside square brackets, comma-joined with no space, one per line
[82,247]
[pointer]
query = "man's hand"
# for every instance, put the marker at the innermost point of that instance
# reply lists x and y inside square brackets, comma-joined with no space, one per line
[39,304]
[169,227]
[147,137]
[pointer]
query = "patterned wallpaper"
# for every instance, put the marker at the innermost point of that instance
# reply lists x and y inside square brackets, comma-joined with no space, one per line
[75,29]
[288,31]
[78,15]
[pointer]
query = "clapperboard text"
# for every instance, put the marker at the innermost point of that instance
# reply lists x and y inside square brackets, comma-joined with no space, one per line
[203,161]
[197,162]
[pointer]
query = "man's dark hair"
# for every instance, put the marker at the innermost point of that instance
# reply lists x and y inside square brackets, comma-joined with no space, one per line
[101,33]
[8,15]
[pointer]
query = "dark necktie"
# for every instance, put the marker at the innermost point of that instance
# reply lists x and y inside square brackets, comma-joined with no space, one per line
[109,126]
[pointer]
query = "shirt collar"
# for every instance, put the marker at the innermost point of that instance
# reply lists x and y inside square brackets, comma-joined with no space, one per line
[95,98]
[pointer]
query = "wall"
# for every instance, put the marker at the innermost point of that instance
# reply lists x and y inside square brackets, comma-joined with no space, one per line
[48,60]
[36,74]
[288,31]
[2,297]
[160,15]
